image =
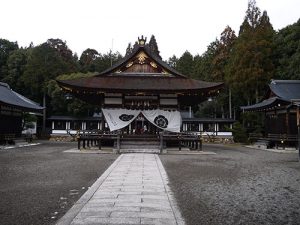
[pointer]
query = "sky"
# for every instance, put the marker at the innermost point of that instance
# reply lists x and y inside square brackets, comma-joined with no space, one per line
[178,25]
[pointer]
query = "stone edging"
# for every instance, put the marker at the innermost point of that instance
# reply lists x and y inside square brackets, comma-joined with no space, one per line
[76,208]
[173,203]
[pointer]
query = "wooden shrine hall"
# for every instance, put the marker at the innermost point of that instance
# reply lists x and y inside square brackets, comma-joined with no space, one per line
[12,107]
[282,116]
[141,95]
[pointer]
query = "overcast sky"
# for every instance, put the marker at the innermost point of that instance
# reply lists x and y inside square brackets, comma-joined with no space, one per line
[178,25]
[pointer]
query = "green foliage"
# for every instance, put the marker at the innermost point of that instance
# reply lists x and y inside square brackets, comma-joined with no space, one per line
[75,76]
[253,122]
[250,67]
[287,52]
[70,61]
[105,61]
[239,133]
[172,61]
[16,64]
[5,48]
[185,64]
[154,47]
[43,64]
[87,60]
[60,105]
[204,64]
[128,49]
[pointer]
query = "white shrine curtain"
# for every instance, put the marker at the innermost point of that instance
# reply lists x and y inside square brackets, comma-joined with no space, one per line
[119,118]
[164,119]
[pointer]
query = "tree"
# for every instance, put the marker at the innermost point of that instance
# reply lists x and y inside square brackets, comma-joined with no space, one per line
[222,54]
[203,65]
[65,53]
[43,64]
[16,64]
[5,48]
[250,67]
[220,61]
[105,61]
[172,62]
[87,60]
[185,64]
[60,105]
[128,49]
[287,52]
[154,47]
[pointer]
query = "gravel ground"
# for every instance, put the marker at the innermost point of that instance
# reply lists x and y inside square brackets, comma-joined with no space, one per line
[40,183]
[236,186]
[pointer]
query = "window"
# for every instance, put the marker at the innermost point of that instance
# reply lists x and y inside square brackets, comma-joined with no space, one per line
[91,125]
[59,125]
[75,125]
[208,127]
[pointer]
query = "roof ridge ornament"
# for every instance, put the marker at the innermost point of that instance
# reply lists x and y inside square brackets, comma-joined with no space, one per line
[142,41]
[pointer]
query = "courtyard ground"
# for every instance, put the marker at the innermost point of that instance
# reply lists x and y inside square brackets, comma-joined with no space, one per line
[40,183]
[237,185]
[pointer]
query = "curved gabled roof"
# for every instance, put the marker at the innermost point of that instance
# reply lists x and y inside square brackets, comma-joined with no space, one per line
[286,89]
[139,83]
[281,93]
[142,70]
[137,49]
[14,99]
[266,104]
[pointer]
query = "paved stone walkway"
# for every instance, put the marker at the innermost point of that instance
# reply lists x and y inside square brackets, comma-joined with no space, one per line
[133,190]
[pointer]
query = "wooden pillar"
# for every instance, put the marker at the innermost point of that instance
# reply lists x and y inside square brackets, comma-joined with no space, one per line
[102,123]
[99,143]
[118,142]
[287,121]
[161,142]
[78,145]
[298,126]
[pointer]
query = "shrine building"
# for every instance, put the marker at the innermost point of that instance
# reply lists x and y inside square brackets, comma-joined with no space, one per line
[281,109]
[141,94]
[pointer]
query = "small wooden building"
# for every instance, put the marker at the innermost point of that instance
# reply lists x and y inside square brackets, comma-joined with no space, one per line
[281,110]
[12,107]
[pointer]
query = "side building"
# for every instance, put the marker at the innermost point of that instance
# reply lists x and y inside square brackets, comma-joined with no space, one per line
[281,112]
[12,107]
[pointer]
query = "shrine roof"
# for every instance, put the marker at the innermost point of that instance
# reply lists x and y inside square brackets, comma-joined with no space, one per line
[266,104]
[14,99]
[280,93]
[142,69]
[286,89]
[135,51]
[135,82]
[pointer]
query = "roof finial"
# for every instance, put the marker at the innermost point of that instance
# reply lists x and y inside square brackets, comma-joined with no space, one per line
[142,40]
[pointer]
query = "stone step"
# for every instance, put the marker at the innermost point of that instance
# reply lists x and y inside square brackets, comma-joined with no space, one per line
[140,150]
[140,143]
[139,147]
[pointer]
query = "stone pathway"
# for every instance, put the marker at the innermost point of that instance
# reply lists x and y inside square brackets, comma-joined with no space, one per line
[133,190]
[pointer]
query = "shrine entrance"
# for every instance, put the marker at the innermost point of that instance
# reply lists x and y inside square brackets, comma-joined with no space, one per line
[141,126]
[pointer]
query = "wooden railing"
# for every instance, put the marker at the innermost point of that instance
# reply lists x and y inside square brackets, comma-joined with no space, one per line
[190,140]
[275,140]
[7,138]
[96,138]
